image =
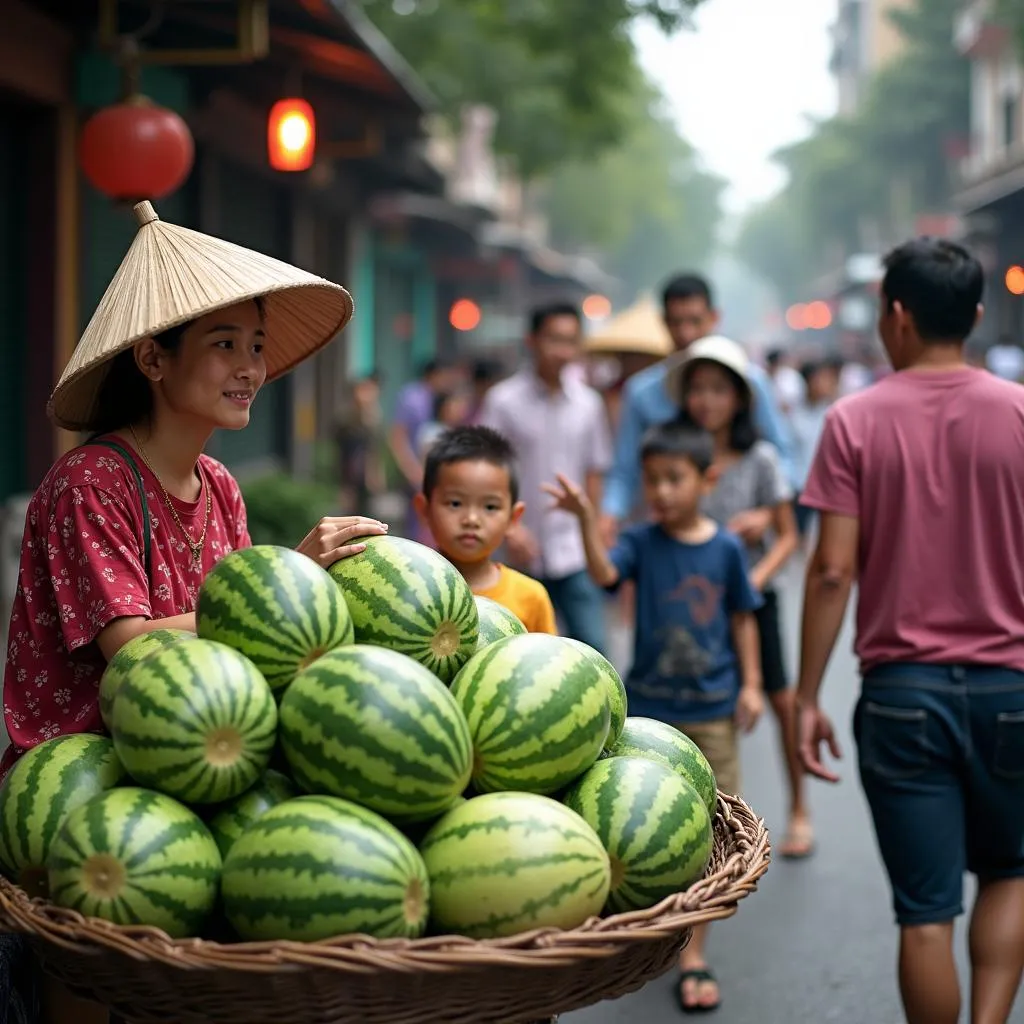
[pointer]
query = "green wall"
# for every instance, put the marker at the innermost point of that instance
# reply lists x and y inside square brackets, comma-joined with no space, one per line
[395,329]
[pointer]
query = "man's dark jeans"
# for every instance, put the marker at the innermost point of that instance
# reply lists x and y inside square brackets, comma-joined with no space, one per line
[941,757]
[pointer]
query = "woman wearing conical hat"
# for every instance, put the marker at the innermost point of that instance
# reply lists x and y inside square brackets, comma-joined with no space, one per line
[123,529]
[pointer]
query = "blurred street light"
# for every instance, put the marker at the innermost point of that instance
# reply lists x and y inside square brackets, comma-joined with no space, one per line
[464,315]
[596,307]
[291,135]
[1015,280]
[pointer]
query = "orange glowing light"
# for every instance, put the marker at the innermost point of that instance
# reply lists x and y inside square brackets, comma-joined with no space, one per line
[818,316]
[464,315]
[596,307]
[291,135]
[796,317]
[1015,280]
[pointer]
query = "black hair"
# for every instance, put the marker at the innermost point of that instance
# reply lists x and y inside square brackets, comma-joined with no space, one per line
[813,366]
[680,439]
[939,283]
[471,444]
[125,396]
[774,356]
[743,434]
[435,365]
[441,400]
[486,370]
[540,315]
[687,286]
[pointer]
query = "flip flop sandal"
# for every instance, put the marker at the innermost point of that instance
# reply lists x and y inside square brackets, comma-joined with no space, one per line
[699,975]
[797,844]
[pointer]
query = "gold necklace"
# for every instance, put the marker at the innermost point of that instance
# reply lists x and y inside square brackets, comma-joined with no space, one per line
[195,546]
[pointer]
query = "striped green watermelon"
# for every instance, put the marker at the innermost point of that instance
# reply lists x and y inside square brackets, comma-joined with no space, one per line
[414,829]
[657,741]
[654,825]
[496,621]
[407,597]
[237,815]
[196,721]
[506,863]
[277,607]
[616,688]
[537,709]
[43,786]
[371,725]
[132,856]
[316,867]
[134,650]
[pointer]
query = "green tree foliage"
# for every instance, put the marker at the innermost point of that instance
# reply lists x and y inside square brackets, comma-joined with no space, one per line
[555,72]
[874,169]
[644,206]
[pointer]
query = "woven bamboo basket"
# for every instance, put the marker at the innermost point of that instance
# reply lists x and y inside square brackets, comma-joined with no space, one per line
[147,978]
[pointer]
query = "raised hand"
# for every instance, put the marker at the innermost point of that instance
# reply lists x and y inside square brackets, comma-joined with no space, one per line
[569,497]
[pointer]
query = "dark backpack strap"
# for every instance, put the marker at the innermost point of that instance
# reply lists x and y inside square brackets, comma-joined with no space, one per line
[130,459]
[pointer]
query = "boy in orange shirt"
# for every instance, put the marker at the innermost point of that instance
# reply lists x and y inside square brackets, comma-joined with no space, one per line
[470,498]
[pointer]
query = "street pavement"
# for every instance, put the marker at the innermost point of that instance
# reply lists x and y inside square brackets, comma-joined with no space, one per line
[815,942]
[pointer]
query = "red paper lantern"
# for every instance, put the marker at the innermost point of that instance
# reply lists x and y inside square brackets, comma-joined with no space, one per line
[136,150]
[291,135]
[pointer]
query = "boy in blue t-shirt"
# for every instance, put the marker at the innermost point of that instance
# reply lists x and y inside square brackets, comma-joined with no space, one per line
[696,661]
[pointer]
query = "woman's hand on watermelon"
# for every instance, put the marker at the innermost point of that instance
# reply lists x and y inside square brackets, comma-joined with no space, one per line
[332,538]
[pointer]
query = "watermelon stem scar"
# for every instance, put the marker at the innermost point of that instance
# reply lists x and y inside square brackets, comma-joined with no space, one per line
[104,875]
[223,746]
[446,640]
[414,901]
[308,660]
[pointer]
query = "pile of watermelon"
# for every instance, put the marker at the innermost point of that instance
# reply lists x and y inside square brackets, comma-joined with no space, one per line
[367,750]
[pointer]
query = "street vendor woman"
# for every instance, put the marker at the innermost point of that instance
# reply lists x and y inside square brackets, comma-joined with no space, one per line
[124,527]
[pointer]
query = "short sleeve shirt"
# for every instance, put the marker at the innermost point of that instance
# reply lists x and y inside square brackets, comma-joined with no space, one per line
[931,464]
[755,480]
[525,597]
[82,567]
[685,666]
[564,431]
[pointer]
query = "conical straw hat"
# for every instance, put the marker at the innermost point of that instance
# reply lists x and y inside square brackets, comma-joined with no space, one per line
[639,329]
[171,275]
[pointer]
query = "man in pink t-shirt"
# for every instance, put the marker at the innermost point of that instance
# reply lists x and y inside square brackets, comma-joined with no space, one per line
[920,484]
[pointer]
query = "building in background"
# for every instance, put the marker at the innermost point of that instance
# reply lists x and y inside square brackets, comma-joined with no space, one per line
[410,234]
[864,40]
[991,177]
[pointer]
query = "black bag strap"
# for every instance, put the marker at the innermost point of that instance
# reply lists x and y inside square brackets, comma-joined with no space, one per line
[137,473]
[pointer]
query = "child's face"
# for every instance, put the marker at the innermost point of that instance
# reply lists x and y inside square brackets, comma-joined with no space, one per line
[712,398]
[673,488]
[470,510]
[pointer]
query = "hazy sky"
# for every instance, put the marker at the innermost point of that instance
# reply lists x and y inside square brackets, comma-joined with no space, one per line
[744,82]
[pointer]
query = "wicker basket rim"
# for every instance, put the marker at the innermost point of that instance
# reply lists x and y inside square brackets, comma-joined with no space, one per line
[744,859]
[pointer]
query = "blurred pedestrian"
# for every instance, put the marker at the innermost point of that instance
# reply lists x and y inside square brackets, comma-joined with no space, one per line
[750,495]
[451,409]
[807,422]
[414,407]
[557,425]
[360,441]
[690,314]
[918,481]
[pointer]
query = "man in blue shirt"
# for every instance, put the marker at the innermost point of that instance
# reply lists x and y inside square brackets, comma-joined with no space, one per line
[690,315]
